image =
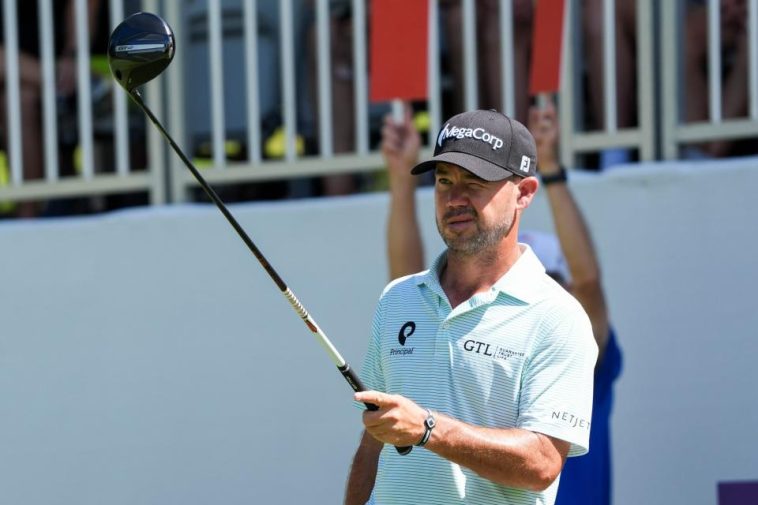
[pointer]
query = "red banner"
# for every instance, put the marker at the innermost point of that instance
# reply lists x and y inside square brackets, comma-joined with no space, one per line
[546,47]
[399,47]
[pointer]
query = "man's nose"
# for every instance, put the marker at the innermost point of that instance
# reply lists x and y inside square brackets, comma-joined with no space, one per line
[458,195]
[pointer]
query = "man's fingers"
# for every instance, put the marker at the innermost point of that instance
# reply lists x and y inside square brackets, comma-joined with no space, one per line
[548,114]
[534,116]
[550,106]
[381,421]
[407,114]
[377,398]
[391,138]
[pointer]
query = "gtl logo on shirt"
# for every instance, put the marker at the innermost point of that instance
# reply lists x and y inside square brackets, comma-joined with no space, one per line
[491,350]
[473,345]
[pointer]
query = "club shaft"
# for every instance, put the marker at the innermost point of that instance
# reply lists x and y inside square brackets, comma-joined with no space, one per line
[286,291]
[347,372]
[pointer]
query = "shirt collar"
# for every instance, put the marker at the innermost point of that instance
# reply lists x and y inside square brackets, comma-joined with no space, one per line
[431,278]
[520,281]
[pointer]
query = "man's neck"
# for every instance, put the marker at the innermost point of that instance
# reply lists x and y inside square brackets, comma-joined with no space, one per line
[465,275]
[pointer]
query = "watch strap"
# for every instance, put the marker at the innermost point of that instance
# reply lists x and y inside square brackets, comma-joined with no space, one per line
[561,176]
[429,423]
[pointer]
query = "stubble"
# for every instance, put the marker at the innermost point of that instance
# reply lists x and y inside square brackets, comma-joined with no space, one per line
[469,243]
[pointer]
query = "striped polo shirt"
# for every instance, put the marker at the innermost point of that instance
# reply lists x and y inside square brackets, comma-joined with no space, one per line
[519,355]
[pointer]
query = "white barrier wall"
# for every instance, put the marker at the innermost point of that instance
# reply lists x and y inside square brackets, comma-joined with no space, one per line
[145,357]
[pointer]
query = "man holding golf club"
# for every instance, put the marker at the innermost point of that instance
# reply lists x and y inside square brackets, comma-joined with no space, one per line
[483,360]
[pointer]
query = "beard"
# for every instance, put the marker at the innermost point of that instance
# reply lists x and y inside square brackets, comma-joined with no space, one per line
[483,238]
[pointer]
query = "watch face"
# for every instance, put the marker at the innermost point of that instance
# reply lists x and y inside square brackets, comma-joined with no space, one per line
[430,422]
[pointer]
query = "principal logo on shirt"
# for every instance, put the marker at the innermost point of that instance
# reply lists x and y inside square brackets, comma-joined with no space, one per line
[406,331]
[490,350]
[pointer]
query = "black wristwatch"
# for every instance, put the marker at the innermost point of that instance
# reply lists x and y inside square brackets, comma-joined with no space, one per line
[429,424]
[559,177]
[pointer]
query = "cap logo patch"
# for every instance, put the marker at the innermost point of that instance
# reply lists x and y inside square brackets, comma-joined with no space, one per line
[480,134]
[525,162]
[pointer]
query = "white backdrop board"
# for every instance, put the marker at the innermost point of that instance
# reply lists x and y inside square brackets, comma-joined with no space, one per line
[145,356]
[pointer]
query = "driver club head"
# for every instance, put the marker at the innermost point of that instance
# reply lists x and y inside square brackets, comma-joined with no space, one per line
[139,49]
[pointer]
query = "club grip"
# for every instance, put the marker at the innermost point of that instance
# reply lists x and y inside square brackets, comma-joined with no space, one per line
[357,386]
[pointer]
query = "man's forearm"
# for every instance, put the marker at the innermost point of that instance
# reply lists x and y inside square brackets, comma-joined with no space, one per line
[510,457]
[573,235]
[405,252]
[577,247]
[362,476]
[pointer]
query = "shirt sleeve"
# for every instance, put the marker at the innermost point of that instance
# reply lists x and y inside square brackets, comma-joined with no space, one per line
[556,395]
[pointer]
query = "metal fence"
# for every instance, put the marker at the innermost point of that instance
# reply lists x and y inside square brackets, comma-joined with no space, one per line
[236,60]
[89,177]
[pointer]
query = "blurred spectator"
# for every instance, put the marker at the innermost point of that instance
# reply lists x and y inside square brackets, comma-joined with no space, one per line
[342,92]
[30,78]
[734,49]
[734,69]
[626,83]
[488,64]
[585,480]
[488,37]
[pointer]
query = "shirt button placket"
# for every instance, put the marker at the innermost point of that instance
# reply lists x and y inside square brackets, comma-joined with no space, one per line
[443,333]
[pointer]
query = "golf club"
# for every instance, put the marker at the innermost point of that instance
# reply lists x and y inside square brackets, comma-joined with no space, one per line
[139,49]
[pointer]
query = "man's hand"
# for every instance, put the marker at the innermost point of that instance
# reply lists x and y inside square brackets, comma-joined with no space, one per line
[543,124]
[401,144]
[399,421]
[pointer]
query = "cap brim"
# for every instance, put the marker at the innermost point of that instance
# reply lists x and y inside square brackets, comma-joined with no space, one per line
[477,166]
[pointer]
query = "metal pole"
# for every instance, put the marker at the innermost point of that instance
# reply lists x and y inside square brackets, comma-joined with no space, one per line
[216,57]
[13,93]
[433,60]
[507,75]
[360,73]
[120,121]
[470,81]
[609,65]
[645,76]
[251,78]
[49,107]
[670,30]
[288,80]
[714,60]
[324,60]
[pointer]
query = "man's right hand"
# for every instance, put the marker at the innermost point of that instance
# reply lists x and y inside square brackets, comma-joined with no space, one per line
[543,124]
[401,144]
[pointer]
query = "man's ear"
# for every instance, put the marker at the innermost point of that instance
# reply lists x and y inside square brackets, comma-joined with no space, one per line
[527,188]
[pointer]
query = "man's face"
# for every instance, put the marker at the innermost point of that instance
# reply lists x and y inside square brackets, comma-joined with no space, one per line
[473,215]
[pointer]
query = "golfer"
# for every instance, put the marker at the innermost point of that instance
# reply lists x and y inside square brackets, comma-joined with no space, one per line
[483,362]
